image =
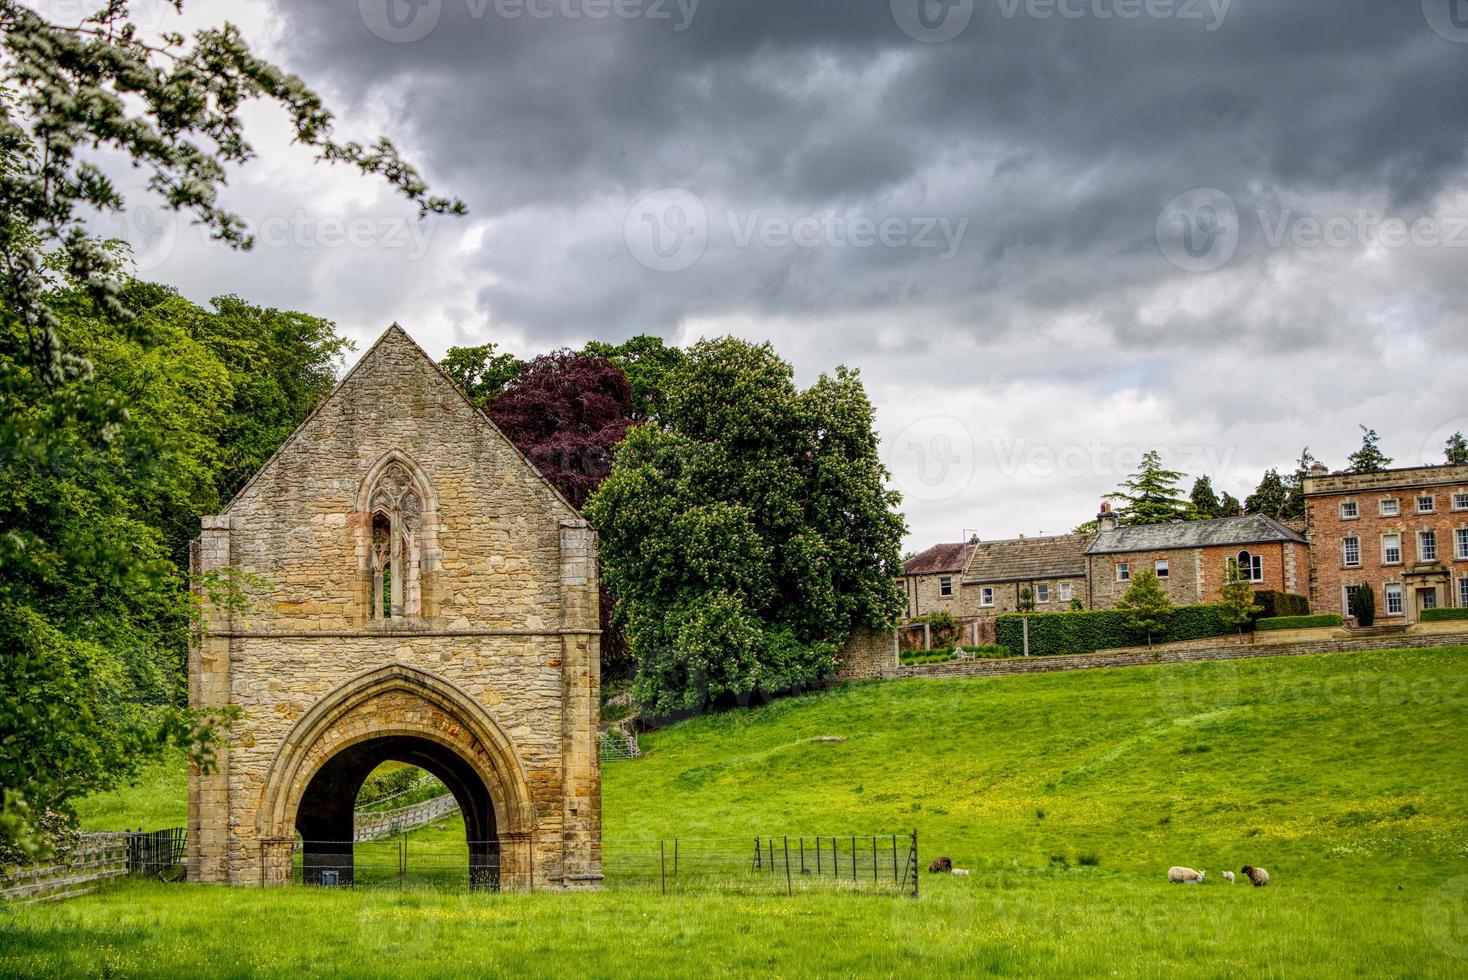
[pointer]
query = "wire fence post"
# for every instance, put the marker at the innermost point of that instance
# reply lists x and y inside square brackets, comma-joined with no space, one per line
[853,857]
[789,888]
[675,858]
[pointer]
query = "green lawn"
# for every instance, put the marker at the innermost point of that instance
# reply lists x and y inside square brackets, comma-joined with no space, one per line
[1068,795]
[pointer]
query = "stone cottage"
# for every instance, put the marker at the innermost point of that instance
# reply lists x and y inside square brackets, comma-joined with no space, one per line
[1191,558]
[431,600]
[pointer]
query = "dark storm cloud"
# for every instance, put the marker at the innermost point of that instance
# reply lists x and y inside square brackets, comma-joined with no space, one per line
[1073,310]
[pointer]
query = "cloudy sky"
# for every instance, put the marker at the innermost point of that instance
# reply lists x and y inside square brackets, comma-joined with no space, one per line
[1051,233]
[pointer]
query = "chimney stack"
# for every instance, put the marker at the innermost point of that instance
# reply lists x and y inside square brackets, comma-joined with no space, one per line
[1106,520]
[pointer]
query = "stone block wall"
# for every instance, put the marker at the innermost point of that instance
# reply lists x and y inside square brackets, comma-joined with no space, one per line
[505,640]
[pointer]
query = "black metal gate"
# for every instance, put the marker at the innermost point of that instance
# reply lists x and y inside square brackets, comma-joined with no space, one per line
[158,854]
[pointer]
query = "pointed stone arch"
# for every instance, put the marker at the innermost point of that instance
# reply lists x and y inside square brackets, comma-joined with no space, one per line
[418,709]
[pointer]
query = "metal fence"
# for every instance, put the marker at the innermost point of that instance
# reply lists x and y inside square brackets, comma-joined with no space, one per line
[400,863]
[764,864]
[618,745]
[758,864]
[159,854]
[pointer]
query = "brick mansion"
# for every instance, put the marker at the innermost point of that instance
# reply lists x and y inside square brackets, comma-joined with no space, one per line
[1403,532]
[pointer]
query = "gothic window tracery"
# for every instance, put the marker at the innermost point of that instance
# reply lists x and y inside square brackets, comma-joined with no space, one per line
[396,559]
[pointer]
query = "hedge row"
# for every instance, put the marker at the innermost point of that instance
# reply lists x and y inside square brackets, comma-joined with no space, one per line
[1052,634]
[1443,615]
[1299,622]
[1278,604]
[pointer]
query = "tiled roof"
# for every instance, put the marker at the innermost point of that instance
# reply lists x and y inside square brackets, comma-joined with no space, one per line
[1024,559]
[1254,529]
[938,558]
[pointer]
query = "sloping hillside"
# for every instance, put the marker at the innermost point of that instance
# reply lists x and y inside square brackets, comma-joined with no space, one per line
[1312,765]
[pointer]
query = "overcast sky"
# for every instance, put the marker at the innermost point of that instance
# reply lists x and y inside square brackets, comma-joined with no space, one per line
[1051,235]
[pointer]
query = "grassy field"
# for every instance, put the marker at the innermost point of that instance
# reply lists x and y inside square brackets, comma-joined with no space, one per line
[1068,795]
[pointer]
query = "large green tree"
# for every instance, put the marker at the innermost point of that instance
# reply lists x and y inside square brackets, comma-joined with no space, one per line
[1151,495]
[649,364]
[84,580]
[750,533]
[482,371]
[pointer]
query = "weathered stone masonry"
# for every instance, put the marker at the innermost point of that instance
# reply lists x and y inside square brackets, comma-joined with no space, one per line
[433,599]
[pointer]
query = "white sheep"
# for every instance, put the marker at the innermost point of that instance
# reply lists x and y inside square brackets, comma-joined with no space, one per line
[1185,876]
[1228,876]
[960,872]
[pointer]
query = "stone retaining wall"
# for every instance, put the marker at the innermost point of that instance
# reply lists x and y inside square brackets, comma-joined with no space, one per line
[1134,658]
[869,656]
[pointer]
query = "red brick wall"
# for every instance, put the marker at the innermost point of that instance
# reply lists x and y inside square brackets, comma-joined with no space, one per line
[1328,528]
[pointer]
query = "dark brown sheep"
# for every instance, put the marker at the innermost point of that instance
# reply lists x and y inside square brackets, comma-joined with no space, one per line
[1258,876]
[941,866]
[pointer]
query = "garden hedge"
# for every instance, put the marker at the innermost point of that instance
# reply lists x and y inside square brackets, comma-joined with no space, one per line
[1443,615]
[1299,622]
[1052,634]
[1278,604]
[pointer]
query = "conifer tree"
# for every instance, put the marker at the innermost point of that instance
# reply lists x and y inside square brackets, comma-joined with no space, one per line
[1151,495]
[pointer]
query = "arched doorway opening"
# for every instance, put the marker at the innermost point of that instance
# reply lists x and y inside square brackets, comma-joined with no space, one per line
[327,828]
[404,714]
